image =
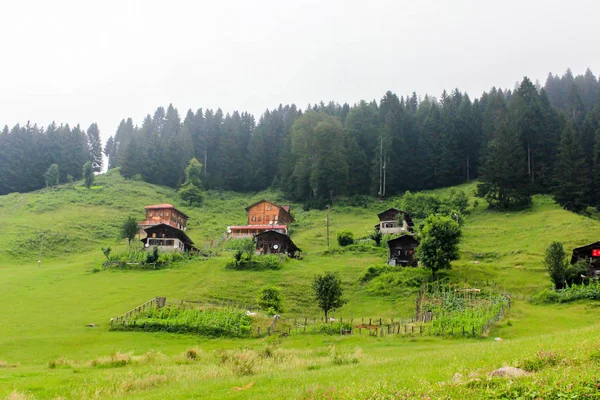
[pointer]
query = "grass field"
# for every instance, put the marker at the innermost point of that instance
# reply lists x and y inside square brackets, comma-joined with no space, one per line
[46,309]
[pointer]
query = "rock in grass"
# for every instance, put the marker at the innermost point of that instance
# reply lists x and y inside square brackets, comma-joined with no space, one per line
[508,372]
[91,325]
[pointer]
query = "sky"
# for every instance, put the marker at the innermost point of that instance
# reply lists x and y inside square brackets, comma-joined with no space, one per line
[80,62]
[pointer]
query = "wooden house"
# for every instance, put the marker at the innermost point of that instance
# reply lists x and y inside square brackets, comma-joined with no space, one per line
[393,221]
[402,251]
[272,242]
[164,214]
[167,238]
[591,254]
[263,216]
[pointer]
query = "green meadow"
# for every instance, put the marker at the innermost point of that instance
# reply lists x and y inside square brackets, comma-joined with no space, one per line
[47,352]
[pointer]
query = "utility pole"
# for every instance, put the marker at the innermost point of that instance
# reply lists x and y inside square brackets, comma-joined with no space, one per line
[380,167]
[41,247]
[328,208]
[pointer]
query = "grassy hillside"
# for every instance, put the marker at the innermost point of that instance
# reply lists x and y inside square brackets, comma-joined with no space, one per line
[46,309]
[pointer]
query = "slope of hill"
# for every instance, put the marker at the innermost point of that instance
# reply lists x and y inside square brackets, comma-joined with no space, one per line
[46,309]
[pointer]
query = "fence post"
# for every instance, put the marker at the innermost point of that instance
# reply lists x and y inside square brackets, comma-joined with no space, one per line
[473,330]
[380,321]
[421,329]
[258,331]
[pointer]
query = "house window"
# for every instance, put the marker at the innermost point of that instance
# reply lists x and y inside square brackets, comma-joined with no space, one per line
[254,218]
[268,208]
[166,213]
[260,218]
[150,213]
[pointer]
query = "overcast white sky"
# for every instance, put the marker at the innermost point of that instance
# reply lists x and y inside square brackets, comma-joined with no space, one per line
[82,62]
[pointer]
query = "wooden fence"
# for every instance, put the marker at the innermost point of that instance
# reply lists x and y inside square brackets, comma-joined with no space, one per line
[156,302]
[375,326]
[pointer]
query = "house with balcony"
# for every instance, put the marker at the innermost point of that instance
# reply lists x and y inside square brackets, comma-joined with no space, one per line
[263,216]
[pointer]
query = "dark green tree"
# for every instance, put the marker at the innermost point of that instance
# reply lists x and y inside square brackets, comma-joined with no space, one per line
[504,175]
[191,190]
[88,174]
[270,300]
[556,264]
[328,292]
[51,176]
[572,183]
[439,241]
[95,147]
[129,229]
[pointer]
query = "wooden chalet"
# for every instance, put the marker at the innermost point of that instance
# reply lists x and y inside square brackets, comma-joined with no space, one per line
[591,254]
[167,238]
[402,251]
[263,216]
[272,242]
[164,214]
[393,221]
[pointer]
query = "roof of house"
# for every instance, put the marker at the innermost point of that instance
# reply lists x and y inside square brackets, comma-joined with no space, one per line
[403,238]
[177,233]
[164,206]
[284,208]
[291,245]
[588,246]
[258,227]
[389,209]
[407,216]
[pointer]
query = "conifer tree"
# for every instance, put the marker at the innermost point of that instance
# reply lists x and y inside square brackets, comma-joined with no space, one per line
[572,184]
[88,174]
[504,174]
[95,147]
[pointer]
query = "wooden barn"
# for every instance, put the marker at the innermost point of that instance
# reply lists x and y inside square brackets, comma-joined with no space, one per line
[263,216]
[272,242]
[402,251]
[589,253]
[164,214]
[393,221]
[167,238]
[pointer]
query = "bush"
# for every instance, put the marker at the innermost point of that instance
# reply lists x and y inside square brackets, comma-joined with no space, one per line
[151,258]
[376,235]
[374,271]
[270,300]
[541,360]
[345,238]
[575,274]
[256,263]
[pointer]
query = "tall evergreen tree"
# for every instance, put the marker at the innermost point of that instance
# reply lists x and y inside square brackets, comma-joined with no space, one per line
[572,184]
[95,147]
[504,174]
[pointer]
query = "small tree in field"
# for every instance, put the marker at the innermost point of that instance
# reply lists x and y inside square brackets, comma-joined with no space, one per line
[328,292]
[51,176]
[556,264]
[129,229]
[270,300]
[439,243]
[88,174]
[345,238]
[191,190]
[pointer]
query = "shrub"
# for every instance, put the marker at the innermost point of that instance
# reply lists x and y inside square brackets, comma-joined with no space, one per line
[376,235]
[256,263]
[345,238]
[343,358]
[270,300]
[374,271]
[151,258]
[192,353]
[542,359]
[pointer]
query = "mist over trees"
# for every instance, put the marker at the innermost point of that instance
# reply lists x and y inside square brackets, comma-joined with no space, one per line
[517,142]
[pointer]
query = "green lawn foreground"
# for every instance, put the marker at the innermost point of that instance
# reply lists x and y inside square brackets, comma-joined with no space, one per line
[46,309]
